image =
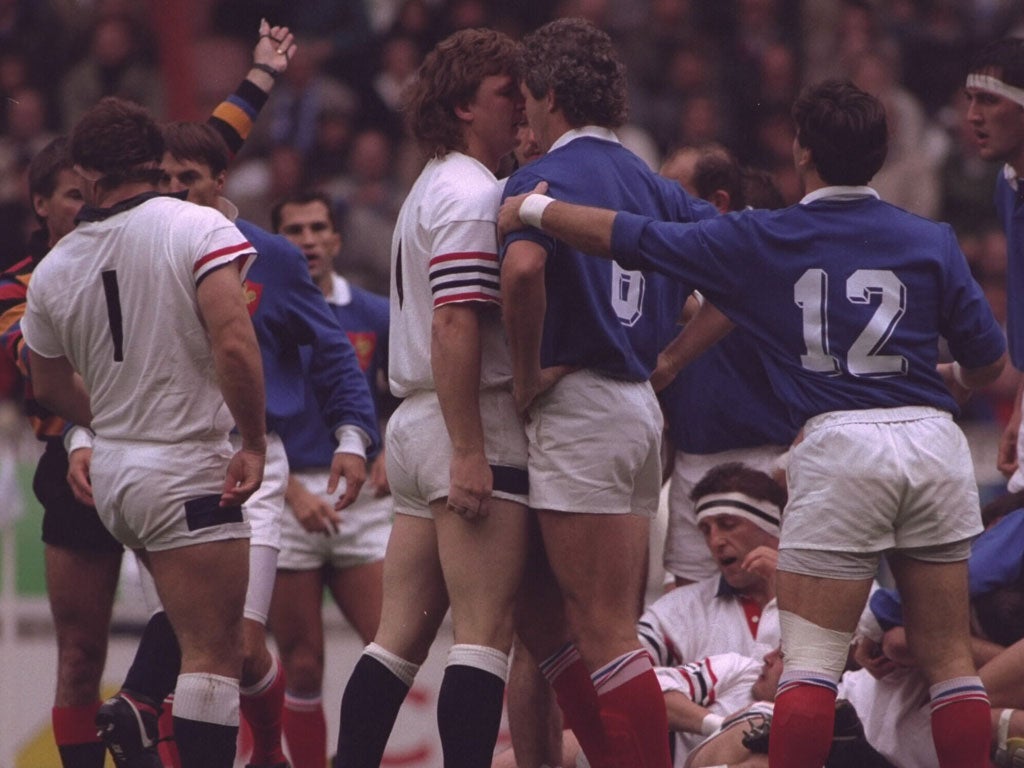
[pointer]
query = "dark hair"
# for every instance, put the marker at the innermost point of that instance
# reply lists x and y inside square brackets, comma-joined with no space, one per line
[716,168]
[196,142]
[1001,506]
[45,168]
[120,140]
[735,477]
[760,190]
[578,63]
[1003,59]
[1000,613]
[845,130]
[303,197]
[449,77]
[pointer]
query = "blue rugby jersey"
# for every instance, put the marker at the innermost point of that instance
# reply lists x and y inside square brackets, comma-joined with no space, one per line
[1010,209]
[599,315]
[846,295]
[307,441]
[289,312]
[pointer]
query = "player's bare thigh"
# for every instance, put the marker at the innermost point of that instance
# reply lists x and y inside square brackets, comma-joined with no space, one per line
[482,560]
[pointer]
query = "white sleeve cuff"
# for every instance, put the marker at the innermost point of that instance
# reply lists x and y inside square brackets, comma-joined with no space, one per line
[78,437]
[532,209]
[351,439]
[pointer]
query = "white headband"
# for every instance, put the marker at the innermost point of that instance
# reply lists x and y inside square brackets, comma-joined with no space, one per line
[761,513]
[996,86]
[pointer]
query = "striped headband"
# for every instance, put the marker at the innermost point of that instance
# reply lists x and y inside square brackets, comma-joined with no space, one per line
[996,86]
[761,513]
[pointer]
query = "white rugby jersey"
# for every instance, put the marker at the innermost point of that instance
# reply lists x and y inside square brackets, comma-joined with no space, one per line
[444,250]
[707,618]
[721,683]
[117,298]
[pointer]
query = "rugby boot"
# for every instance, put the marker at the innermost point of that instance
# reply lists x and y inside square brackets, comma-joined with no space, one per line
[128,726]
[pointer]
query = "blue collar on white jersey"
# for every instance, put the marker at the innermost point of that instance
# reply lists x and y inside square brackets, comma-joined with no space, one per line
[593,131]
[838,193]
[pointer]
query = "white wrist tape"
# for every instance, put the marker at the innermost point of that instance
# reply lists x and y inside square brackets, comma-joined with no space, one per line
[78,437]
[710,724]
[532,209]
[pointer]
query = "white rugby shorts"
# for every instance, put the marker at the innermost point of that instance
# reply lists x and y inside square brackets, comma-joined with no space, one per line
[264,508]
[595,446]
[159,496]
[419,451]
[362,536]
[878,479]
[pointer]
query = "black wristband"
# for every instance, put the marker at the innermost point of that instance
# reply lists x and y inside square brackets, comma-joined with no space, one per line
[274,73]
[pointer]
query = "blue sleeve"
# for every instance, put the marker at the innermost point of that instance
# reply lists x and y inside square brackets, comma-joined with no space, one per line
[885,604]
[695,253]
[336,378]
[996,560]
[975,337]
[519,182]
[997,555]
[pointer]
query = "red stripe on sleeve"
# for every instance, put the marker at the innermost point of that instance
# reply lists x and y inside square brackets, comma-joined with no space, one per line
[468,296]
[220,252]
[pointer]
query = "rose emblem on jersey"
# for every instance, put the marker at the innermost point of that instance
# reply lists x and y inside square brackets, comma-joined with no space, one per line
[253,293]
[365,344]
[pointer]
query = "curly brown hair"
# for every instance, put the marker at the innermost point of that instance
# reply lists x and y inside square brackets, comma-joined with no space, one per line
[578,63]
[449,77]
[121,140]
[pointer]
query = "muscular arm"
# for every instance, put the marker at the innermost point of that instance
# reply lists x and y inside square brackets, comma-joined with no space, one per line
[455,362]
[236,354]
[233,118]
[236,357]
[684,714]
[524,302]
[60,389]
[707,327]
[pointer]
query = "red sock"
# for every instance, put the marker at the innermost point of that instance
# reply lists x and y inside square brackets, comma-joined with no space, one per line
[166,747]
[262,711]
[633,711]
[570,679]
[961,725]
[74,731]
[305,731]
[805,713]
[75,725]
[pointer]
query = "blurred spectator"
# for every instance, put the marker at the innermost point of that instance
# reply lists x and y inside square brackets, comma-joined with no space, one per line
[255,185]
[837,33]
[369,200]
[917,148]
[38,34]
[935,46]
[293,111]
[114,66]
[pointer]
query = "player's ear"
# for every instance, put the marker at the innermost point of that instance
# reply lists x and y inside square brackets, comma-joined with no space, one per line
[804,158]
[220,178]
[463,112]
[722,200]
[549,100]
[41,206]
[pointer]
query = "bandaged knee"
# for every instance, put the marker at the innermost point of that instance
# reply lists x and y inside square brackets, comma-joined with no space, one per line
[807,646]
